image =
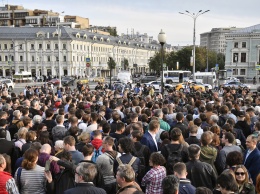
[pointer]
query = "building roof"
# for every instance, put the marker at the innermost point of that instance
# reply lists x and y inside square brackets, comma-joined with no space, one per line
[30,33]
[251,29]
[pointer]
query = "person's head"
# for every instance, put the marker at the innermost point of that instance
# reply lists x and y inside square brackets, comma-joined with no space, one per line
[85,172]
[251,142]
[37,119]
[136,135]
[257,186]
[31,136]
[8,161]
[179,116]
[203,190]
[27,122]
[175,134]
[126,145]
[84,137]
[215,129]
[227,183]
[120,127]
[97,134]
[58,145]
[228,138]
[154,126]
[106,128]
[158,113]
[46,148]
[60,119]
[156,159]
[125,174]
[37,146]
[108,143]
[206,138]
[17,114]
[69,142]
[193,130]
[241,174]
[180,170]
[22,133]
[30,159]
[49,113]
[94,117]
[2,163]
[234,158]
[223,110]
[194,152]
[88,150]
[214,119]
[257,126]
[197,122]
[170,184]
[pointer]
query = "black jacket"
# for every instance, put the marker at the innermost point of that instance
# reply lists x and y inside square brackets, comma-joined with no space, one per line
[201,174]
[183,128]
[85,188]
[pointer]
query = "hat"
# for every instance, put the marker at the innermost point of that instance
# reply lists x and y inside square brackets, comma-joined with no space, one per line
[241,114]
[57,104]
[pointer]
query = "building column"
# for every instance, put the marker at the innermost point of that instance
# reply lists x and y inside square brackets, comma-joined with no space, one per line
[4,72]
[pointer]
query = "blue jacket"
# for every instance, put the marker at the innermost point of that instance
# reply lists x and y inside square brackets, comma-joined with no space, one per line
[85,188]
[186,187]
[147,140]
[252,163]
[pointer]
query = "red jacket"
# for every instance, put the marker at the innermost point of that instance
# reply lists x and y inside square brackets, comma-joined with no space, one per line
[7,183]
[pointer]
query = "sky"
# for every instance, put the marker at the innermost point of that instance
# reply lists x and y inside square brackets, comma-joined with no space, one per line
[150,16]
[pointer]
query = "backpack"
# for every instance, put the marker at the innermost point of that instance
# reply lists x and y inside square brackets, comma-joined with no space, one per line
[174,156]
[13,129]
[222,120]
[142,167]
[97,152]
[129,163]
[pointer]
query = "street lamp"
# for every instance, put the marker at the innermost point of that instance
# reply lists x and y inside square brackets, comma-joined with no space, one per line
[194,17]
[110,55]
[162,41]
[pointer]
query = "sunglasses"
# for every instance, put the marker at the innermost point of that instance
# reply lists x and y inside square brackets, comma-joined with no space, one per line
[240,173]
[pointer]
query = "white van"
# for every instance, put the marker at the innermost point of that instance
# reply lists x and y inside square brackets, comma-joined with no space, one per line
[206,77]
[124,77]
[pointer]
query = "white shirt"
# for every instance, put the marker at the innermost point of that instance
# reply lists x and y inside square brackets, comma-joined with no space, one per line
[91,128]
[200,131]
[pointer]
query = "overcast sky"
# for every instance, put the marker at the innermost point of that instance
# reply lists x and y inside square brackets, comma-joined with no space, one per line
[150,16]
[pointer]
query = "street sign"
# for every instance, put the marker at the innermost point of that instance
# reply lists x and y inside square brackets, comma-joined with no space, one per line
[257,67]
[87,59]
[216,65]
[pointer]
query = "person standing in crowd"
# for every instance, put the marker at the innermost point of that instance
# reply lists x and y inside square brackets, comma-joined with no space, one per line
[69,145]
[84,176]
[170,184]
[200,173]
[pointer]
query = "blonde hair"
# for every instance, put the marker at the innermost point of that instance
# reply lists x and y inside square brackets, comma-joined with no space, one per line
[84,136]
[22,133]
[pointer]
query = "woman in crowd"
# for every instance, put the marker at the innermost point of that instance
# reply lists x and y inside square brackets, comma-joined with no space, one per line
[84,138]
[154,177]
[31,178]
[245,186]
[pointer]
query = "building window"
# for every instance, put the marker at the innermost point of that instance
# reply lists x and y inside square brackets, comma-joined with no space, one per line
[235,57]
[48,58]
[48,46]
[0,58]
[235,71]
[243,44]
[6,58]
[32,58]
[21,58]
[243,57]
[73,58]
[21,46]
[40,46]
[242,71]
[64,46]
[5,46]
[235,44]
[57,58]
[32,46]
[56,46]
[12,58]
[11,46]
[64,58]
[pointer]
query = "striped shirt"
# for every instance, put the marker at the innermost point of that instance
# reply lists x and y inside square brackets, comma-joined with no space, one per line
[32,181]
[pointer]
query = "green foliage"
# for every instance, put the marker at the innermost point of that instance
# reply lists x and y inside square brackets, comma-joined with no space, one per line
[112,32]
[111,63]
[183,57]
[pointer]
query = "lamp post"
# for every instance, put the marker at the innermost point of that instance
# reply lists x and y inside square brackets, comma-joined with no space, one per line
[110,55]
[162,41]
[194,17]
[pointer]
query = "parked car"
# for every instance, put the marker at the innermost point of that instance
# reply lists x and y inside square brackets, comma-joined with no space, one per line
[146,79]
[236,85]
[66,81]
[181,86]
[205,85]
[157,85]
[84,81]
[55,82]
[99,79]
[232,79]
[9,83]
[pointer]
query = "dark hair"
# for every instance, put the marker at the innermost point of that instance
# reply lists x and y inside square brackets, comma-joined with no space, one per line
[106,127]
[206,138]
[137,134]
[49,112]
[227,181]
[170,184]
[193,151]
[87,150]
[175,134]
[157,159]
[234,158]
[179,168]
[197,122]
[179,116]
[126,144]
[203,190]
[230,137]
[2,133]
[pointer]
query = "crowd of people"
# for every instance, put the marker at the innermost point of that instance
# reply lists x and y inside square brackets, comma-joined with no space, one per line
[62,140]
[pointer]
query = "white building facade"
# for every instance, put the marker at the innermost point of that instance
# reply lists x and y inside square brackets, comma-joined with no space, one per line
[37,49]
[243,53]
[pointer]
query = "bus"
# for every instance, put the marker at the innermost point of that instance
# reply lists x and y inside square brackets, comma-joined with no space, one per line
[206,77]
[176,76]
[23,76]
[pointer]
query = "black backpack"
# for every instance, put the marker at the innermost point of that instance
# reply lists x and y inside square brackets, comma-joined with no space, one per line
[13,129]
[174,156]
[142,167]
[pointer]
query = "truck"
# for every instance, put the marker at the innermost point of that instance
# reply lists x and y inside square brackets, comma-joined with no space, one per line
[124,77]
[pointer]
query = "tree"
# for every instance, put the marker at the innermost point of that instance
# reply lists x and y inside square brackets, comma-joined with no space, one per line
[111,63]
[171,60]
[112,31]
